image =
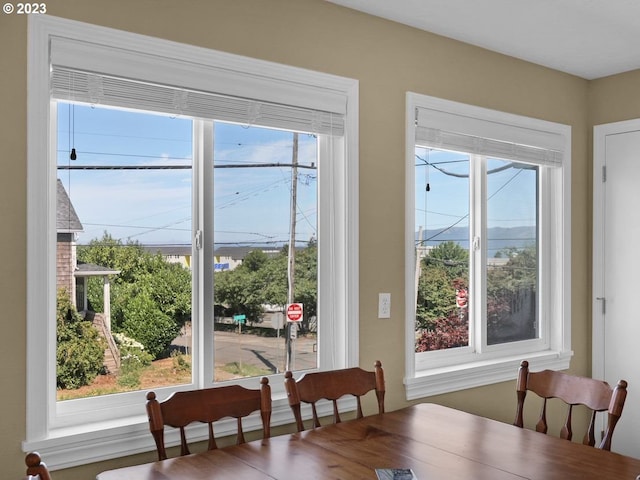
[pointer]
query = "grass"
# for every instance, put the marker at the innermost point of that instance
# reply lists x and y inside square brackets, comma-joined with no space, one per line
[160,373]
[175,370]
[245,370]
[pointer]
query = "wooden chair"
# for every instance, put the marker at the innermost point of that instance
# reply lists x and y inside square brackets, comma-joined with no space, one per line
[596,395]
[207,406]
[332,385]
[36,468]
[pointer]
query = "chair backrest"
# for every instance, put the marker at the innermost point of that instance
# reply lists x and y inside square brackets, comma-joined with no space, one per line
[596,395]
[207,406]
[332,385]
[36,469]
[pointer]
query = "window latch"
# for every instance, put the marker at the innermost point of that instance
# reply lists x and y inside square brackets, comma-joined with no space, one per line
[604,304]
[476,243]
[198,239]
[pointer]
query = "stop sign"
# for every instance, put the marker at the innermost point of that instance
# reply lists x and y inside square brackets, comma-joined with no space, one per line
[461,297]
[294,312]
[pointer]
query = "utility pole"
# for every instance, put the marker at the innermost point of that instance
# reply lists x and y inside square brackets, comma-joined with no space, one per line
[291,331]
[420,250]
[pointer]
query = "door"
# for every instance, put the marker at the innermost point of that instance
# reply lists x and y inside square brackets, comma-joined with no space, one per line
[616,270]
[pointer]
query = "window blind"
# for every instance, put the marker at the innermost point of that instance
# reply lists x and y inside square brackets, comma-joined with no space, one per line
[96,89]
[452,131]
[196,82]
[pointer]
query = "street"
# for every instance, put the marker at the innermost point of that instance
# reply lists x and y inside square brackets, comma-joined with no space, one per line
[266,353]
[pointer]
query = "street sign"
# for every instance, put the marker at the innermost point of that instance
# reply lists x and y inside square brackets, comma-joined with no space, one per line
[239,318]
[461,297]
[294,312]
[277,320]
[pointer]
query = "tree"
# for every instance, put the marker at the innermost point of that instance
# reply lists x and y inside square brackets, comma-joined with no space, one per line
[444,269]
[254,260]
[112,253]
[146,323]
[436,297]
[451,256]
[274,280]
[79,348]
[239,290]
[511,295]
[151,298]
[306,286]
[261,280]
[169,285]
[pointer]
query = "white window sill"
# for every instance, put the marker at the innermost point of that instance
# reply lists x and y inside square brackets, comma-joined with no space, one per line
[96,442]
[437,381]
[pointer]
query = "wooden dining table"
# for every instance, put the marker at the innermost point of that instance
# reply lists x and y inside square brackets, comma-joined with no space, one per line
[435,442]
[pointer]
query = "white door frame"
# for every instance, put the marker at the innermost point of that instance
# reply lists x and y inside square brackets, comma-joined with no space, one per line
[600,133]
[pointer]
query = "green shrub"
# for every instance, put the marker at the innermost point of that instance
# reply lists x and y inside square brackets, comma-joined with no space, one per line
[80,349]
[132,354]
[144,322]
[129,380]
[132,349]
[133,360]
[180,363]
[129,374]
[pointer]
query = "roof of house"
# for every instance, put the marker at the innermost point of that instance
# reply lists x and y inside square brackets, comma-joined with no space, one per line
[239,252]
[180,250]
[92,270]
[235,252]
[67,220]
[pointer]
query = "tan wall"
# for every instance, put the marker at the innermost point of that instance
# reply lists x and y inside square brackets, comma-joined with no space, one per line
[613,99]
[388,59]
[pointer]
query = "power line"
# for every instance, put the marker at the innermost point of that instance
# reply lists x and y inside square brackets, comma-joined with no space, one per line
[463,175]
[132,155]
[499,169]
[179,167]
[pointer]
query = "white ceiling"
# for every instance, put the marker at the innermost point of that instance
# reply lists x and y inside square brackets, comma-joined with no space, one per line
[587,38]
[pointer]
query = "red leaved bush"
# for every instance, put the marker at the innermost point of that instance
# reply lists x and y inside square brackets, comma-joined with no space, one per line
[448,332]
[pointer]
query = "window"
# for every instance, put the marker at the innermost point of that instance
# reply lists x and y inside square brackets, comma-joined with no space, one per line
[161,177]
[487,269]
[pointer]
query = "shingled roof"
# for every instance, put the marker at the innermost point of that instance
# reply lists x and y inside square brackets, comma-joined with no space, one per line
[67,220]
[92,270]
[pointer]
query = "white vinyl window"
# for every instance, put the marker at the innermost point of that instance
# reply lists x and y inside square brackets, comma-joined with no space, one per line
[487,242]
[174,156]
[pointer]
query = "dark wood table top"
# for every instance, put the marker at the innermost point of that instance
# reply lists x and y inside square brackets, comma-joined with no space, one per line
[436,442]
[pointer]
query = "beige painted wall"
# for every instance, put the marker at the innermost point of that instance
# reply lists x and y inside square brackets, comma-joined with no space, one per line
[613,99]
[388,59]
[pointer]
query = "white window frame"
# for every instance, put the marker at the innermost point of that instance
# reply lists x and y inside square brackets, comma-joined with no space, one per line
[433,373]
[121,428]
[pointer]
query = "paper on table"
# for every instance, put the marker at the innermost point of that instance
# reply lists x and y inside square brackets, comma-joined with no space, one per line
[395,474]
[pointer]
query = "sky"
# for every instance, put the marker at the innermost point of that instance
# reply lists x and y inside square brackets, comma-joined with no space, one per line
[153,206]
[511,192]
[251,205]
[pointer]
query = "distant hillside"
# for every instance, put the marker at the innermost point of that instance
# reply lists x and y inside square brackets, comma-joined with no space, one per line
[499,237]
